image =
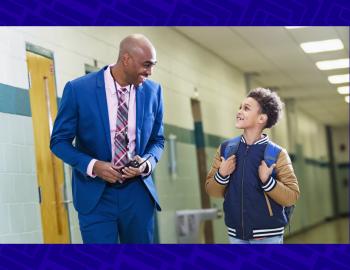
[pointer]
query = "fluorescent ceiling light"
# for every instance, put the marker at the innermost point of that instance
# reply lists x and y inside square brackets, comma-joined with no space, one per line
[333,64]
[294,27]
[343,90]
[334,79]
[322,46]
[347,99]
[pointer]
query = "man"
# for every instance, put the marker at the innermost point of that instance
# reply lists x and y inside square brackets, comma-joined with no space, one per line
[115,115]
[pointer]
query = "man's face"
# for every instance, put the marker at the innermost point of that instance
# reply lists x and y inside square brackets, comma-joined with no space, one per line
[248,115]
[140,65]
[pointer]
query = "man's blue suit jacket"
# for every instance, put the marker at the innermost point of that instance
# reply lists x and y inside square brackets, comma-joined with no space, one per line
[83,116]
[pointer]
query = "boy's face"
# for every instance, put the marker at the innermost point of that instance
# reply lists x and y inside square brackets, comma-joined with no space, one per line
[249,115]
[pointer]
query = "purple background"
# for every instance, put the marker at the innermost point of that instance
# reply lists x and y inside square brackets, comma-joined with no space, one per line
[169,12]
[320,257]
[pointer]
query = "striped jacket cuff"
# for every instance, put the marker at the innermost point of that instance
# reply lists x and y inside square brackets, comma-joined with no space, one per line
[268,232]
[269,185]
[220,179]
[148,169]
[231,232]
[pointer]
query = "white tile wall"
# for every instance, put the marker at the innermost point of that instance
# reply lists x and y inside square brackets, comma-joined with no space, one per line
[19,208]
[28,184]
[10,239]
[32,220]
[16,211]
[7,188]
[11,158]
[4,127]
[11,42]
[4,224]
[28,133]
[26,159]
[2,159]
[30,238]
[13,71]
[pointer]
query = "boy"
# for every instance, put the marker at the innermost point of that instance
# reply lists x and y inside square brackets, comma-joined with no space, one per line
[254,201]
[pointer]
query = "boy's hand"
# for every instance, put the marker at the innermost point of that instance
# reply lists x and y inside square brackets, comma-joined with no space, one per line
[227,166]
[265,171]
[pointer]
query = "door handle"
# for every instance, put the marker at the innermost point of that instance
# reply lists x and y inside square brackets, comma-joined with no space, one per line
[67,201]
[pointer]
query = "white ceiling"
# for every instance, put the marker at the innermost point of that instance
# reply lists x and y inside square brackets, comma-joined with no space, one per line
[274,53]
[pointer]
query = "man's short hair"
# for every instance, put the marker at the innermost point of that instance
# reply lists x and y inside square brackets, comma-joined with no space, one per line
[270,104]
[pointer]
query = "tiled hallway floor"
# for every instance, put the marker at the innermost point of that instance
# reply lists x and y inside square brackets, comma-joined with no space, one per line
[332,232]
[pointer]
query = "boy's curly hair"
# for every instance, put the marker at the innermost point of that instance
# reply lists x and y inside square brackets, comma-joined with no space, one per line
[270,104]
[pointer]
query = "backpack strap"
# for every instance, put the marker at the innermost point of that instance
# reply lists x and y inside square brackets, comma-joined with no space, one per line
[271,154]
[230,147]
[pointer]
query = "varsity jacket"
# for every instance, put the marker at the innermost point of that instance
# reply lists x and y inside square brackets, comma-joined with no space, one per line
[252,209]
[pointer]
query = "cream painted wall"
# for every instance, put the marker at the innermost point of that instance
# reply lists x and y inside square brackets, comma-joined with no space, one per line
[315,204]
[312,136]
[341,137]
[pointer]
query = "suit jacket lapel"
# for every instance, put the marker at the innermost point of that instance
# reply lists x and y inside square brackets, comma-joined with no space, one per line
[103,109]
[139,115]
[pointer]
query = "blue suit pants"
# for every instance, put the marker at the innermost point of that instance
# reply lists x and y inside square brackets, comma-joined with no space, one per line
[124,214]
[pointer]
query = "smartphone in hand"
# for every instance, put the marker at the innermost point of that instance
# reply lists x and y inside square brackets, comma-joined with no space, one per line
[132,163]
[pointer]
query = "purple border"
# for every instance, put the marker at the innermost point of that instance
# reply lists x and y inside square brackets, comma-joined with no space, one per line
[194,257]
[174,13]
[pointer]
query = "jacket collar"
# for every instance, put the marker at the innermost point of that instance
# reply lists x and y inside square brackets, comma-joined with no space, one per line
[263,140]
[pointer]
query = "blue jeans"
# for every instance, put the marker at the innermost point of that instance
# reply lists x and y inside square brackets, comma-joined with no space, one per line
[267,240]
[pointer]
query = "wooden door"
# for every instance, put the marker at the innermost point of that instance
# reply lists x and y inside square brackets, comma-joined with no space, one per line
[49,169]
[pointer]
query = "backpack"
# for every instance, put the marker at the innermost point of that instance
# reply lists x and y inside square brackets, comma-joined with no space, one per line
[271,153]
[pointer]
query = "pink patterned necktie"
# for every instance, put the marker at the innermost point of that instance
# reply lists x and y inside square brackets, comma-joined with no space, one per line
[121,131]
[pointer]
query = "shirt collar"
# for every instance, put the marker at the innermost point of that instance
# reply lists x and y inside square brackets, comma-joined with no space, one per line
[263,140]
[112,83]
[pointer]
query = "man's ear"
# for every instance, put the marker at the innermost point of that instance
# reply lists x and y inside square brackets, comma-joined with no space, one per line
[125,59]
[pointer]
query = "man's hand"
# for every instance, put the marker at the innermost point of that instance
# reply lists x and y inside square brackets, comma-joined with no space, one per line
[130,172]
[227,166]
[265,172]
[107,172]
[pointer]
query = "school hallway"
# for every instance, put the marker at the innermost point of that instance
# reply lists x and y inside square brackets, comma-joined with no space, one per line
[205,73]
